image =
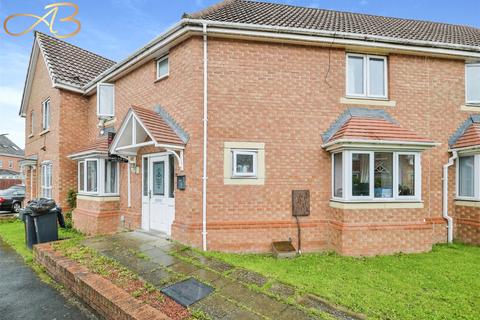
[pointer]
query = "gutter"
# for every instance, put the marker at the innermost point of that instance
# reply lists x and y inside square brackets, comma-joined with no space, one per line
[205,137]
[445,196]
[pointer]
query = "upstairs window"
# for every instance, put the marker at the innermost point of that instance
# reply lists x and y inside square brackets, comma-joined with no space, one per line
[163,68]
[105,100]
[366,76]
[472,83]
[1,163]
[46,115]
[32,122]
[10,164]
[376,176]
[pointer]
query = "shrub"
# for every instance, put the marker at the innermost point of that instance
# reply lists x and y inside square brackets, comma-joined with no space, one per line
[72,199]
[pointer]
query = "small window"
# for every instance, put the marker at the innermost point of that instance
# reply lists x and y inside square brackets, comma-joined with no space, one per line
[163,68]
[338,175]
[244,163]
[81,176]
[46,114]
[366,76]
[466,174]
[472,83]
[111,177]
[32,123]
[46,180]
[105,100]
[10,164]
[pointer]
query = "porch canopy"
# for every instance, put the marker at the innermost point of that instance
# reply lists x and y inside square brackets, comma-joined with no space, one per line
[466,139]
[361,128]
[143,127]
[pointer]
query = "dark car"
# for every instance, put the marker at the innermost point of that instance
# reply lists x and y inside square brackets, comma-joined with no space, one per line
[11,199]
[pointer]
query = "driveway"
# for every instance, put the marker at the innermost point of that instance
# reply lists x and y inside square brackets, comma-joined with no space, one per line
[24,296]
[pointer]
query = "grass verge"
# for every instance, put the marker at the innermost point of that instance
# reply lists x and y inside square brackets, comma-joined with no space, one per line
[442,284]
[13,233]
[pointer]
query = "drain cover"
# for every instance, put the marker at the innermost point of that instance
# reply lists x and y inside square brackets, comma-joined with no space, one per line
[187,292]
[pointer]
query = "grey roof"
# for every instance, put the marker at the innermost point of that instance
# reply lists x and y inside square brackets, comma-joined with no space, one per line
[5,173]
[69,64]
[474,118]
[280,15]
[8,147]
[355,112]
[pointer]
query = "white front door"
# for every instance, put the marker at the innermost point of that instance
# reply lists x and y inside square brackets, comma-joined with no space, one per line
[158,202]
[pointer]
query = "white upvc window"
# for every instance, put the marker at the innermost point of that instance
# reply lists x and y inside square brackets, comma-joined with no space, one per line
[376,176]
[163,68]
[98,176]
[105,100]
[46,179]
[367,76]
[467,180]
[1,163]
[32,123]
[244,163]
[46,114]
[472,83]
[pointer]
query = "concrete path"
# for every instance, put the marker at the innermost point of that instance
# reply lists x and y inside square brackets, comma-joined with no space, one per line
[24,296]
[238,293]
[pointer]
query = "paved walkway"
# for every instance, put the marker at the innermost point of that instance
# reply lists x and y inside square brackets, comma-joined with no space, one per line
[238,294]
[24,296]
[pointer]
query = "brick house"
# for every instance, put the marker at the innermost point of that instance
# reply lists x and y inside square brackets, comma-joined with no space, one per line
[204,133]
[10,157]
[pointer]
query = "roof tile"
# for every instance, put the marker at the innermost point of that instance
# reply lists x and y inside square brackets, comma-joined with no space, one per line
[280,15]
[70,64]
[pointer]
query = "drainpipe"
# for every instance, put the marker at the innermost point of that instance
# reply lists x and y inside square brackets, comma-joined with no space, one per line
[205,139]
[445,196]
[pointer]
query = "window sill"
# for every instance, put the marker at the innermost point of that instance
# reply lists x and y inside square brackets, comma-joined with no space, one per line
[161,78]
[467,203]
[110,123]
[376,205]
[470,107]
[99,198]
[44,132]
[383,102]
[244,181]
[30,135]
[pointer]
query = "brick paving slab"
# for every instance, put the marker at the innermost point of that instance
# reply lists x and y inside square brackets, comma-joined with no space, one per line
[162,263]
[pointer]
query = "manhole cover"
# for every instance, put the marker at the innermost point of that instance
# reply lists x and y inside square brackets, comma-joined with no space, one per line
[187,292]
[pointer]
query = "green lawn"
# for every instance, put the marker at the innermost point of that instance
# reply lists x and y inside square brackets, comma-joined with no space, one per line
[13,233]
[442,284]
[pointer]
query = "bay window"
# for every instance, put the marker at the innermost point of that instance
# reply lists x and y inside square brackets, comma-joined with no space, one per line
[376,176]
[98,177]
[366,76]
[467,180]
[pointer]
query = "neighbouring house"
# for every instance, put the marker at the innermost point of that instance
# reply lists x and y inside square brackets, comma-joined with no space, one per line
[10,158]
[243,114]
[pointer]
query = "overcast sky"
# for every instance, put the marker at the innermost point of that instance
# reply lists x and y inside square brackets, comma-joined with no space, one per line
[115,28]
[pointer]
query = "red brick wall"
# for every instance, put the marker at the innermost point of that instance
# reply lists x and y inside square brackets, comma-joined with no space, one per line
[467,224]
[45,146]
[285,96]
[96,217]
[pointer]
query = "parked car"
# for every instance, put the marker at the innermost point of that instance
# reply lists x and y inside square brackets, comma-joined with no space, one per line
[11,199]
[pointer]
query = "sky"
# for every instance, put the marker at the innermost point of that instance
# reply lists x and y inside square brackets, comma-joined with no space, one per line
[116,28]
